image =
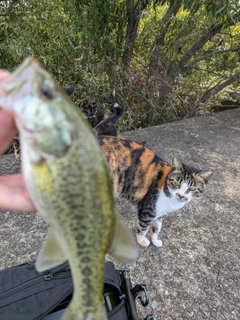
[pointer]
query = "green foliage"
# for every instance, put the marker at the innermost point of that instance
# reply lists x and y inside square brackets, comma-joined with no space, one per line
[177,51]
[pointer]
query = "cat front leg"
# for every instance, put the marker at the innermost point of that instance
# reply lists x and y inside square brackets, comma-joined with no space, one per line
[145,218]
[141,236]
[156,228]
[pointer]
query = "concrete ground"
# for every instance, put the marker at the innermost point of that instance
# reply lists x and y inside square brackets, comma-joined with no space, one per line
[196,274]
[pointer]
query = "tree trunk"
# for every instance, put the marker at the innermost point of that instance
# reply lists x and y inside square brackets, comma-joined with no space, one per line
[133,18]
[160,39]
[157,67]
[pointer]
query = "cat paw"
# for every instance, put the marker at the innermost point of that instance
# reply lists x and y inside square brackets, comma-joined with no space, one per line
[157,242]
[143,242]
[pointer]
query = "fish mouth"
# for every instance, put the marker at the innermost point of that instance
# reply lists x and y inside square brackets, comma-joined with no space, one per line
[22,126]
[28,134]
[33,130]
[28,130]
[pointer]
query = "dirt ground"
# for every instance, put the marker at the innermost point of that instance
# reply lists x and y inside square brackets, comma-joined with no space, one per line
[195,275]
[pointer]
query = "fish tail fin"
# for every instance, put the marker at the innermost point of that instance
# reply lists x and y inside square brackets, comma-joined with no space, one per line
[123,247]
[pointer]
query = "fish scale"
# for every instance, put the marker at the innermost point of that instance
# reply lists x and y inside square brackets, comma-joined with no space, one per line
[79,206]
[67,177]
[56,204]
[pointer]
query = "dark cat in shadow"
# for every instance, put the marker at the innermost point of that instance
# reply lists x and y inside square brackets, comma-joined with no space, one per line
[103,122]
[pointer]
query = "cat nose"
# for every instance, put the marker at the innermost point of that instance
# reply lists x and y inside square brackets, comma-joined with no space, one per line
[181,196]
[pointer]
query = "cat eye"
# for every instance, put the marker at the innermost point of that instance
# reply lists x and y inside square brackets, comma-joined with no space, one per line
[192,189]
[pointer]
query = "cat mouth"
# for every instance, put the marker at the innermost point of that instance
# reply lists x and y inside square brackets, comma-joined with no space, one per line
[181,198]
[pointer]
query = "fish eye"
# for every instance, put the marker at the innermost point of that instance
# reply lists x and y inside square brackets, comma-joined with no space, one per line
[47,92]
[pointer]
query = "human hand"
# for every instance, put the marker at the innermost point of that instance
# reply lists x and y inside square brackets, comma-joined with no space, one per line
[13,192]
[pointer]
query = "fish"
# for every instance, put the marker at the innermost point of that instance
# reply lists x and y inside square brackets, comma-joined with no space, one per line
[67,177]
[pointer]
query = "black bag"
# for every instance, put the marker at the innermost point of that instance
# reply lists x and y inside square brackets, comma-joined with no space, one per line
[26,294]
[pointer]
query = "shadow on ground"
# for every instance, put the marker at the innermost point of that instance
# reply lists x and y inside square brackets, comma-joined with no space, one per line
[195,275]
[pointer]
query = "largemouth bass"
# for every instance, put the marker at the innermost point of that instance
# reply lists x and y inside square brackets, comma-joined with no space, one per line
[67,177]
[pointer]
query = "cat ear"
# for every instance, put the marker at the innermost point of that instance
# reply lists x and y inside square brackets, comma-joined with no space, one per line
[176,163]
[206,175]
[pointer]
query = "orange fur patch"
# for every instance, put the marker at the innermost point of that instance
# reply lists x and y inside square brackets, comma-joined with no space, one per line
[135,145]
[165,171]
[149,171]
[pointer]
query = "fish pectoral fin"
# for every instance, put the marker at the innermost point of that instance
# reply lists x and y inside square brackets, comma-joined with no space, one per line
[123,247]
[51,253]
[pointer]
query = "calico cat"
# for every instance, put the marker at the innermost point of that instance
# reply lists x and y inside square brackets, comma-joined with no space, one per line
[152,184]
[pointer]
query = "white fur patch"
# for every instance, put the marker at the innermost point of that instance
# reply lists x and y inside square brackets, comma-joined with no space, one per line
[166,204]
[142,240]
[157,242]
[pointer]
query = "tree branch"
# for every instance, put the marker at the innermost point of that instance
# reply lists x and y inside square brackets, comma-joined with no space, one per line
[216,74]
[214,90]
[197,46]
[189,65]
[212,31]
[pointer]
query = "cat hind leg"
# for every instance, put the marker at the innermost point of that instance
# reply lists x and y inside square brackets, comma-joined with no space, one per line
[156,228]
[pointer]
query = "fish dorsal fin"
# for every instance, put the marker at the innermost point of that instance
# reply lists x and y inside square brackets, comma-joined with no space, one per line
[123,247]
[51,253]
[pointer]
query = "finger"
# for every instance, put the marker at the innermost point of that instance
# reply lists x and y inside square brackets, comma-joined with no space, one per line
[8,130]
[13,180]
[15,198]
[3,74]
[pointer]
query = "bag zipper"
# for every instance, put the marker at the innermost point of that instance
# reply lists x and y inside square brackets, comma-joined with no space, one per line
[48,276]
[70,291]
[59,275]
[33,281]
[47,312]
